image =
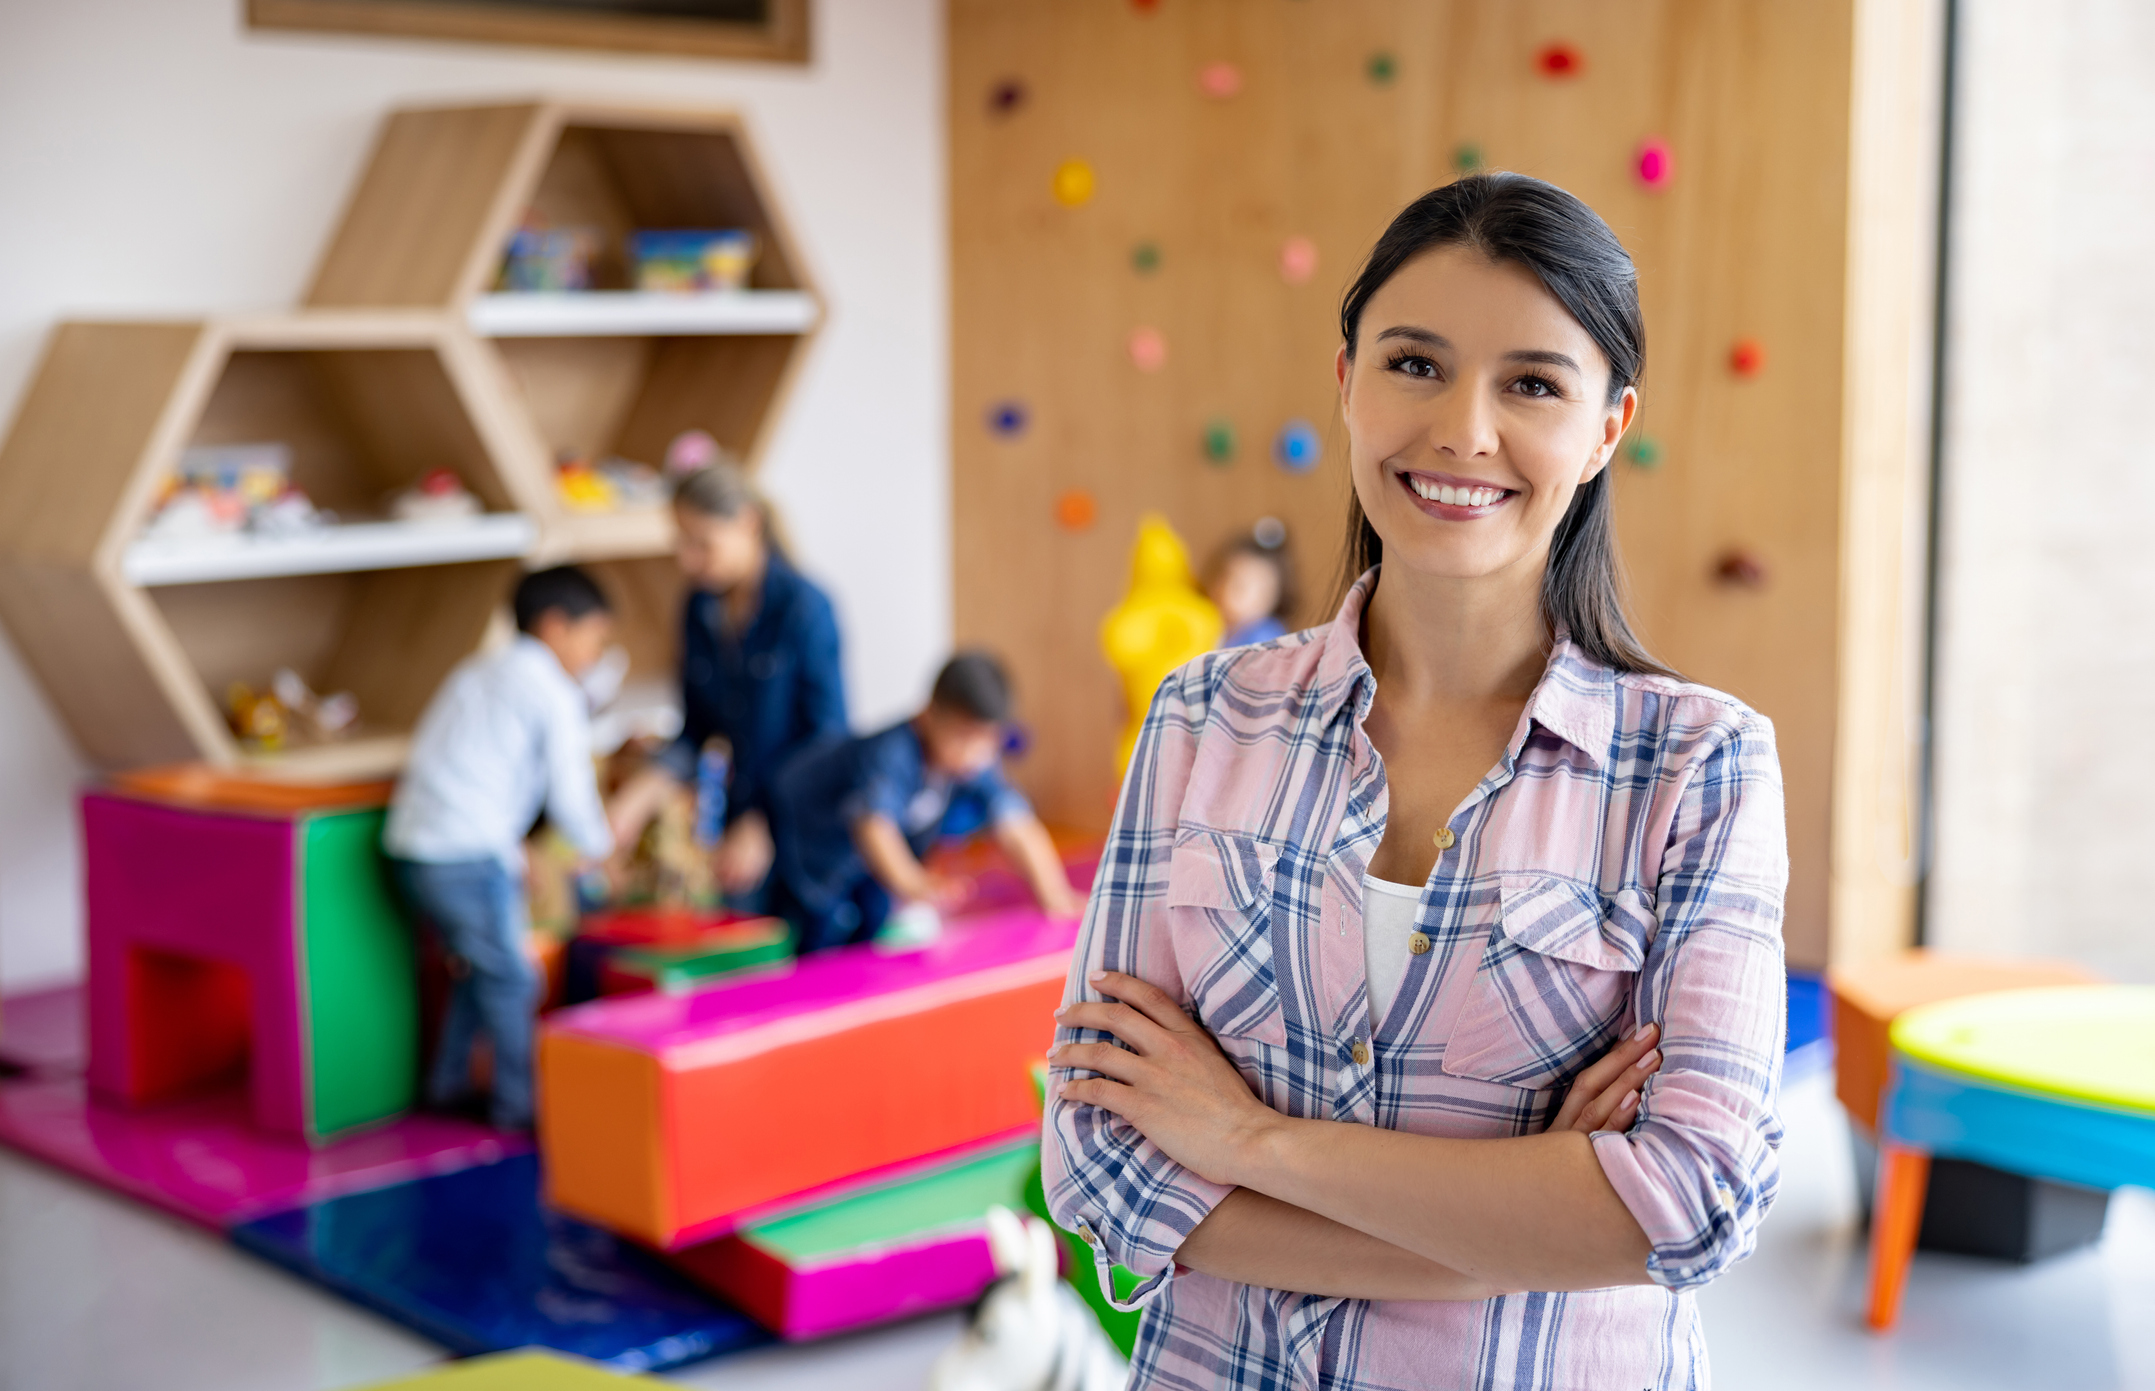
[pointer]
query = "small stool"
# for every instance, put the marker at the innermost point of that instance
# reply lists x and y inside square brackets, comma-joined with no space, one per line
[2052,1083]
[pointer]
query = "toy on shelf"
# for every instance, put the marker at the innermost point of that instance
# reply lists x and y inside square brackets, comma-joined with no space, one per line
[1163,621]
[220,490]
[438,496]
[895,1249]
[551,259]
[674,1119]
[264,720]
[2054,1084]
[687,261]
[608,484]
[261,944]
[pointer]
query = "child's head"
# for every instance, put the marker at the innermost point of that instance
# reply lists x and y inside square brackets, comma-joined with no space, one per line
[1251,578]
[961,731]
[565,609]
[722,527]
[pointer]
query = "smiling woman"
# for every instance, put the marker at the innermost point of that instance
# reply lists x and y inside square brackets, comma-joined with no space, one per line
[1425,1028]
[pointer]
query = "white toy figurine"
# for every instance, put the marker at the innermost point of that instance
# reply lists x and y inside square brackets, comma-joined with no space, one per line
[1030,1331]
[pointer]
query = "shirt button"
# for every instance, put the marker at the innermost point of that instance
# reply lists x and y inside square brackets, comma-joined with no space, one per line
[1361,1053]
[1418,944]
[1444,838]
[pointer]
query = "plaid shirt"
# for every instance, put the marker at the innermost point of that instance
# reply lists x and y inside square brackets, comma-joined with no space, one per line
[1623,863]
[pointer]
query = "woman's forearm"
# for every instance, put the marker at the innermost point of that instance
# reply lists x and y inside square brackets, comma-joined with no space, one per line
[1533,1212]
[1254,1239]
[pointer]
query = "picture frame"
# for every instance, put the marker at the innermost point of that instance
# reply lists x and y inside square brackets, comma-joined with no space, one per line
[773,31]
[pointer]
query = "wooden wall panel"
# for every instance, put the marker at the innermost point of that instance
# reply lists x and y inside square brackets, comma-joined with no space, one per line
[1750,240]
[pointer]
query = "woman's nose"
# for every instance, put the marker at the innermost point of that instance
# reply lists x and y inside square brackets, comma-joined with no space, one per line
[1461,423]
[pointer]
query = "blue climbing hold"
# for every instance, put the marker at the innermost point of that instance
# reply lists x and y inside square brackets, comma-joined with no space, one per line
[1007,418]
[1297,448]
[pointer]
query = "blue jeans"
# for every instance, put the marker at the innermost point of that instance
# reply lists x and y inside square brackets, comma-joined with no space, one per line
[475,908]
[838,917]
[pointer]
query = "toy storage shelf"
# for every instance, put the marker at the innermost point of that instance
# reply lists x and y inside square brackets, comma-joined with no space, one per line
[586,313]
[329,550]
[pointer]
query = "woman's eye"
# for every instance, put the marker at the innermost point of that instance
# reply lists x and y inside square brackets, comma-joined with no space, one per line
[1413,365]
[1537,386]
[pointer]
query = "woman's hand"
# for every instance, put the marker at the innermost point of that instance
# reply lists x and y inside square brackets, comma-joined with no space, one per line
[1172,1081]
[1606,1095]
[742,857]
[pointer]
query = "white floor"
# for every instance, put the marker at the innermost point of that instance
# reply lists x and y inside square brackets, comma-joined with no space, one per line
[97,1294]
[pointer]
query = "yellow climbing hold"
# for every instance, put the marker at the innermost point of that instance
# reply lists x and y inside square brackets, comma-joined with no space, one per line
[1164,621]
[1073,183]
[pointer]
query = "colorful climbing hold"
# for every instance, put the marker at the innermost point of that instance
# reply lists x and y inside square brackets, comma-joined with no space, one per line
[1219,80]
[1656,165]
[1560,60]
[1747,358]
[1145,257]
[1008,418]
[1148,349]
[1382,67]
[1006,96]
[1467,159]
[1075,510]
[1144,6]
[1740,569]
[1220,440]
[1644,451]
[1073,183]
[1298,260]
[1296,448]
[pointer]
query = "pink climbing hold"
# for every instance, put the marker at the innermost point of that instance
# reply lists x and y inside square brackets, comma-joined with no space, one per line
[1219,80]
[1298,260]
[1656,165]
[1148,349]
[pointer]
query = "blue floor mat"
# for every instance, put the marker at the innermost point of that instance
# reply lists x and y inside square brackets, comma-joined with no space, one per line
[472,1260]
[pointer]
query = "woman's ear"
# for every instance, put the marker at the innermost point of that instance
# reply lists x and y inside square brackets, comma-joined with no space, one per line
[1342,365]
[1614,422]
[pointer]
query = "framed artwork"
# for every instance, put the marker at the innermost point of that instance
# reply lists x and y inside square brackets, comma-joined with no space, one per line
[772,30]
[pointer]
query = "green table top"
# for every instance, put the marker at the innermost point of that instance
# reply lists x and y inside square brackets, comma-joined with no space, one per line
[2091,1043]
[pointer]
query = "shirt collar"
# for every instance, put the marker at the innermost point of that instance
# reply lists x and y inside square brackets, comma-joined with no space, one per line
[1574,700]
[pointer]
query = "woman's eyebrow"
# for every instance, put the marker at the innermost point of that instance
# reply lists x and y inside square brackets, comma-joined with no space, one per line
[1419,335]
[1543,358]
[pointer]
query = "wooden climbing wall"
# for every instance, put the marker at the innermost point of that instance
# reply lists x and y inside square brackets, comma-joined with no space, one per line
[1219,135]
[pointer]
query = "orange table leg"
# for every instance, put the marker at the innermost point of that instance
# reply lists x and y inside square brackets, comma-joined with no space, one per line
[1896,1215]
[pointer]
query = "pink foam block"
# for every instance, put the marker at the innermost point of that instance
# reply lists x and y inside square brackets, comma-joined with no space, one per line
[669,1118]
[41,1032]
[203,1159]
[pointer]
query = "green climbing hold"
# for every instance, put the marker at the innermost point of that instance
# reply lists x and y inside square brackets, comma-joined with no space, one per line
[1467,159]
[1220,441]
[1145,257]
[1382,68]
[1645,452]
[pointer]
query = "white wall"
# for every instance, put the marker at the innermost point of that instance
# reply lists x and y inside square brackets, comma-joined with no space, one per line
[158,158]
[2046,777]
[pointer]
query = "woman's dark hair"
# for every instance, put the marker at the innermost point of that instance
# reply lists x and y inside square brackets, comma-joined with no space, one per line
[1510,217]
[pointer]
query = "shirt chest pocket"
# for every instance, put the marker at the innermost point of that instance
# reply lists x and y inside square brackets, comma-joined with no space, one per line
[1220,915]
[1554,984]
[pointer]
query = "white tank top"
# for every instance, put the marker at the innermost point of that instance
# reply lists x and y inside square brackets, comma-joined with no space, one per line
[1388,914]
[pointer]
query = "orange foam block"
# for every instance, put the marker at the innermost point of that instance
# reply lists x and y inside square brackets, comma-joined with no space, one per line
[673,1119]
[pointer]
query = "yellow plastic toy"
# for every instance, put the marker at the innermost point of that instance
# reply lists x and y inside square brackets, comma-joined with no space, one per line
[1164,621]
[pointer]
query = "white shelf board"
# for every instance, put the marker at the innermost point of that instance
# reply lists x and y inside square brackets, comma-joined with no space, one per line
[599,313]
[328,550]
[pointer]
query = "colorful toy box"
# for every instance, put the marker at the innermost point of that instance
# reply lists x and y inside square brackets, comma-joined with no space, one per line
[674,1119]
[898,1248]
[259,941]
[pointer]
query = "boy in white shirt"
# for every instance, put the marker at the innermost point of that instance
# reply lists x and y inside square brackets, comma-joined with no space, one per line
[509,733]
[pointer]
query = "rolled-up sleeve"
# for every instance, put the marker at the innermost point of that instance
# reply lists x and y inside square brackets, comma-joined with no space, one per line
[1699,1168]
[1132,1204]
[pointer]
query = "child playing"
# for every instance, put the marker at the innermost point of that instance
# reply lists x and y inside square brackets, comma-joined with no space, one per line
[1251,582]
[508,734]
[852,817]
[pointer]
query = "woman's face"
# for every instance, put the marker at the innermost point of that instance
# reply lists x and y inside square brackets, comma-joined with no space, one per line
[1475,407]
[718,553]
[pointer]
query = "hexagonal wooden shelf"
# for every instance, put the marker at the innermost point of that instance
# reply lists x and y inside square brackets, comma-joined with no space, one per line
[136,639]
[601,371]
[404,361]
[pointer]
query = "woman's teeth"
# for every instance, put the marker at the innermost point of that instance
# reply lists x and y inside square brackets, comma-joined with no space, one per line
[1451,496]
